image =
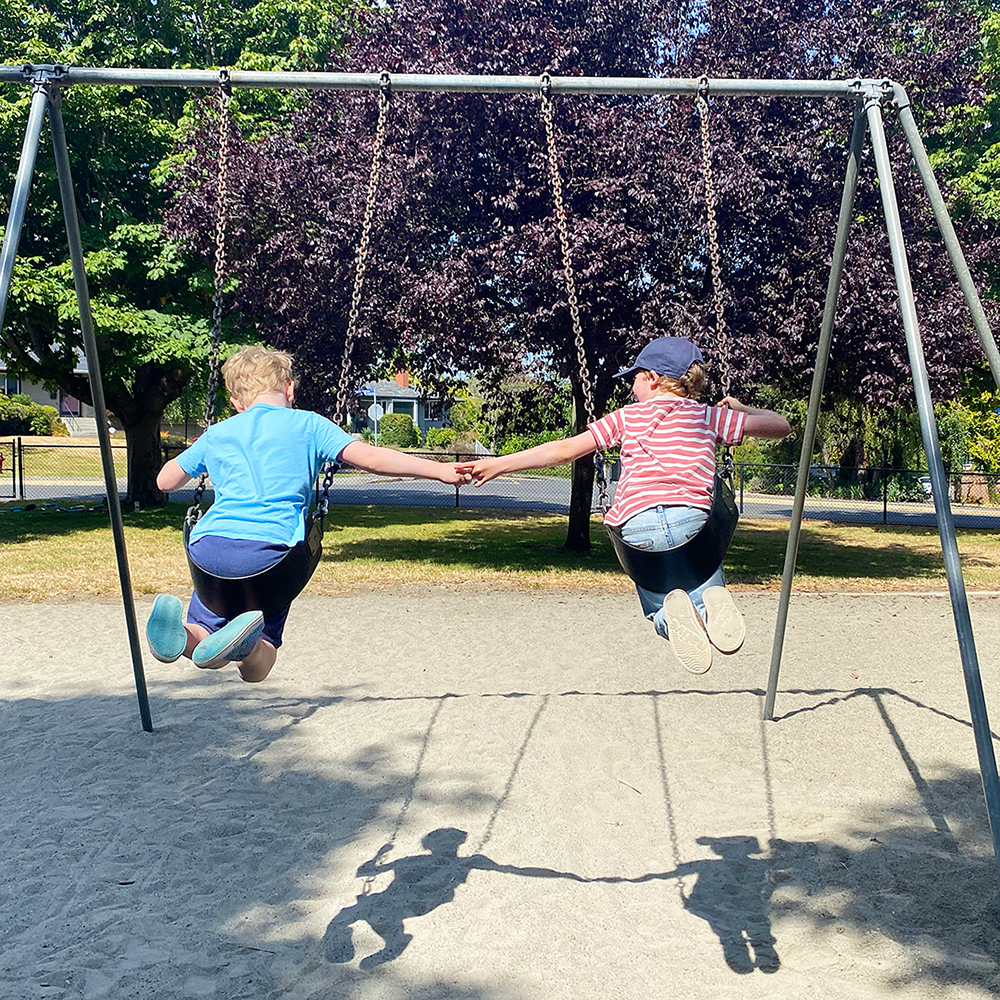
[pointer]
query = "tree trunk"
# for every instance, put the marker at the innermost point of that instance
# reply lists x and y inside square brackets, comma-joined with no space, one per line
[580,503]
[139,411]
[142,439]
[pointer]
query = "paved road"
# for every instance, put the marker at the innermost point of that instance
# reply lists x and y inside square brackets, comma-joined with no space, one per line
[549,493]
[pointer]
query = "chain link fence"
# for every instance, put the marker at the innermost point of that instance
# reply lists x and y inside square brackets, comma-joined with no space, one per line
[52,471]
[30,472]
[8,470]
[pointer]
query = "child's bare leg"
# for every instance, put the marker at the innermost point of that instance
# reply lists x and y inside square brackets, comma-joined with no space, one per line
[255,667]
[195,633]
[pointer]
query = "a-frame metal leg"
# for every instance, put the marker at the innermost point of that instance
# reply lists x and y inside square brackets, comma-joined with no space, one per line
[97,392]
[948,234]
[939,482]
[815,398]
[19,200]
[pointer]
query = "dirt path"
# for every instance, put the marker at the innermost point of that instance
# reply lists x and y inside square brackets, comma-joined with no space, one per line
[625,829]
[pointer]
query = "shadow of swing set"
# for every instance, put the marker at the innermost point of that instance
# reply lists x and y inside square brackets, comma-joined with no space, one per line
[868,97]
[731,890]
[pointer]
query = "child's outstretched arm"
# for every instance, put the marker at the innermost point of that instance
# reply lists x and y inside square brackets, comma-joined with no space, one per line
[398,463]
[171,476]
[760,423]
[539,457]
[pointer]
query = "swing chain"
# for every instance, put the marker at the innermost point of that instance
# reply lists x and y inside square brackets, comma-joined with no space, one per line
[324,503]
[341,414]
[545,92]
[701,101]
[221,218]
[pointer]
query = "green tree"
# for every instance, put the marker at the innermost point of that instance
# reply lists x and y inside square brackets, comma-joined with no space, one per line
[151,300]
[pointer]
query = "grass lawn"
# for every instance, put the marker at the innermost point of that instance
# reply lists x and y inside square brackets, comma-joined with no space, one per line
[49,554]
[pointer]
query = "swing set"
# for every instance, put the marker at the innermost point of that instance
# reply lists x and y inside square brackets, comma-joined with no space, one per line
[867,96]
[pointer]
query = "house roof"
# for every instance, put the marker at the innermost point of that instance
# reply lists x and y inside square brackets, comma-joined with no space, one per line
[80,369]
[389,390]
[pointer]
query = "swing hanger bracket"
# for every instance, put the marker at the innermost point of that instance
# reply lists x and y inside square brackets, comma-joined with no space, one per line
[545,86]
[225,81]
[385,85]
[45,77]
[878,92]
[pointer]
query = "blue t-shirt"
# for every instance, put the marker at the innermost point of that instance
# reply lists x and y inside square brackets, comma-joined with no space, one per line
[263,463]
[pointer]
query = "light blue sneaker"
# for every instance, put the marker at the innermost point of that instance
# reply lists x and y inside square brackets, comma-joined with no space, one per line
[234,641]
[165,628]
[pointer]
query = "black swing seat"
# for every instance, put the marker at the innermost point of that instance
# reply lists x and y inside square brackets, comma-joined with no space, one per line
[268,591]
[690,564]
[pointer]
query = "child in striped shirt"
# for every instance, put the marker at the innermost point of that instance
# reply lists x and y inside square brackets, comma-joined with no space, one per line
[664,494]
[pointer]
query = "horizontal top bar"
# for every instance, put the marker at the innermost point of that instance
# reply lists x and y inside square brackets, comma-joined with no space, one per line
[70,75]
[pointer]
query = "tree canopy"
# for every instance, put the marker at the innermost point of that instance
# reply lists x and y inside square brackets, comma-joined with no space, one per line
[468,270]
[150,298]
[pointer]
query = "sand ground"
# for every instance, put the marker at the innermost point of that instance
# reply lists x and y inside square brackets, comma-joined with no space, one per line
[568,813]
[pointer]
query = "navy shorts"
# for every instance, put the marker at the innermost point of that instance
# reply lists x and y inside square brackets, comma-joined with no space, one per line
[235,557]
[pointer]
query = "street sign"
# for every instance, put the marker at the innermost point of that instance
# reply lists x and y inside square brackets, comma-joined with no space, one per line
[376,412]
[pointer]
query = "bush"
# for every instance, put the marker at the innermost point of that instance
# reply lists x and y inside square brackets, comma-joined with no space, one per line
[440,437]
[465,415]
[518,442]
[396,430]
[21,415]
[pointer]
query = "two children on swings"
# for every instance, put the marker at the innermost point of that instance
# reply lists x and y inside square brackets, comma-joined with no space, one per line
[264,461]
[664,493]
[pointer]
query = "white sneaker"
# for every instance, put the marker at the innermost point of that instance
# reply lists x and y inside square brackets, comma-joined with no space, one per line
[687,632]
[725,627]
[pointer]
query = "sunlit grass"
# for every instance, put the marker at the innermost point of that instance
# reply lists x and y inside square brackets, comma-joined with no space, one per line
[45,555]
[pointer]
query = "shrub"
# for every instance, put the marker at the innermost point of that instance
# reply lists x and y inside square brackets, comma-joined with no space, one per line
[15,418]
[440,437]
[396,430]
[20,414]
[518,442]
[465,414]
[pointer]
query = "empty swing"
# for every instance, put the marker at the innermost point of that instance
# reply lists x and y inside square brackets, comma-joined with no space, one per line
[278,585]
[691,563]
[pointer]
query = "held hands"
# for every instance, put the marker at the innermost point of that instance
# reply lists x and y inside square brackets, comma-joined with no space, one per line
[455,475]
[480,472]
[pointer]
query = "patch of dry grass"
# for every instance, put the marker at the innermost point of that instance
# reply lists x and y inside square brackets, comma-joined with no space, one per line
[47,555]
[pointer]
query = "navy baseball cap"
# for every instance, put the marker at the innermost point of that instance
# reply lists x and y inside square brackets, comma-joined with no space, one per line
[671,356]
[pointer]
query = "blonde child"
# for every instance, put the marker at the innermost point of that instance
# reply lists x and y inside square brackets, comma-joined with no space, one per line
[263,463]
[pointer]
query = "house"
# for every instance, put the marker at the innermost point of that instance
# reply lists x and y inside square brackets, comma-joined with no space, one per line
[74,413]
[399,396]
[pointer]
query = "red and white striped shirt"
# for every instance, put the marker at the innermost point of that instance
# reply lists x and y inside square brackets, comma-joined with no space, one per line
[668,452]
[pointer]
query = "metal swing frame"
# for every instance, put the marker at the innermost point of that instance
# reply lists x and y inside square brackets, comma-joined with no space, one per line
[868,96]
[272,589]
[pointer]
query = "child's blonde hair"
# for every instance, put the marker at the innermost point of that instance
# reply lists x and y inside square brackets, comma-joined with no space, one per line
[691,384]
[253,370]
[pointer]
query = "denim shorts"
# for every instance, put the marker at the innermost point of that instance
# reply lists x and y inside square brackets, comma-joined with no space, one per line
[657,530]
[235,557]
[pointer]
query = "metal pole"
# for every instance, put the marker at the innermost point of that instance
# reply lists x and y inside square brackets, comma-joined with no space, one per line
[939,482]
[19,200]
[436,82]
[815,398]
[97,392]
[913,137]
